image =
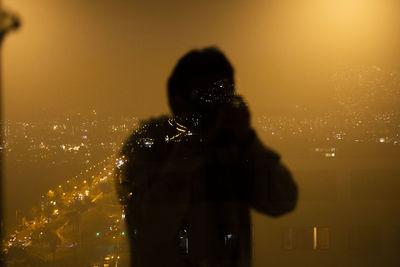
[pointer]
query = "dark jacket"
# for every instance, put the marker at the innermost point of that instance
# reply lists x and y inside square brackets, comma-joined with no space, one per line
[187,202]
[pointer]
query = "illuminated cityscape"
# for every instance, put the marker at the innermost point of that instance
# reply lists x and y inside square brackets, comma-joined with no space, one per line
[200,133]
[82,212]
[75,214]
[74,145]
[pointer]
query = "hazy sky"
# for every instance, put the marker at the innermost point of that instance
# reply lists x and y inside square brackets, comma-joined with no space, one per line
[115,56]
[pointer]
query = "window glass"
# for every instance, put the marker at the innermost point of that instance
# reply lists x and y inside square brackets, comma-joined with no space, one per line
[303,159]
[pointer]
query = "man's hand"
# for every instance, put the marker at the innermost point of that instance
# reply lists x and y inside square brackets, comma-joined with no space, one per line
[232,124]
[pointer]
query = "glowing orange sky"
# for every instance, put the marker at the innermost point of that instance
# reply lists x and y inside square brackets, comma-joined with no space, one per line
[115,56]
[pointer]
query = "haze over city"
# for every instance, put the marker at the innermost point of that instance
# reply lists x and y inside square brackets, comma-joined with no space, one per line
[321,79]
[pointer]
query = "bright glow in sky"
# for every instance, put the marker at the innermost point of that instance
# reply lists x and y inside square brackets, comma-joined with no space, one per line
[115,56]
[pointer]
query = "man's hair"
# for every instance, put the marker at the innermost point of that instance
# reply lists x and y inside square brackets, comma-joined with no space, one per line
[199,67]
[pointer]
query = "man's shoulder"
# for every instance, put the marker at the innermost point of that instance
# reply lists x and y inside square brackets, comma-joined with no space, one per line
[149,133]
[153,127]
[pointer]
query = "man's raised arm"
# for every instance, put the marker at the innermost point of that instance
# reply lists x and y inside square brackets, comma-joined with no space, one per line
[274,190]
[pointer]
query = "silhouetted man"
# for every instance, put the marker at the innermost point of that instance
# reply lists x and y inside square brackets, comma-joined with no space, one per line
[188,181]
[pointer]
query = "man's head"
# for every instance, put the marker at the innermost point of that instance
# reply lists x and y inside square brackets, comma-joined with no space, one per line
[201,80]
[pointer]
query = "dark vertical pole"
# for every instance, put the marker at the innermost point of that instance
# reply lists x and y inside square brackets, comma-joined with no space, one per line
[1,141]
[7,22]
